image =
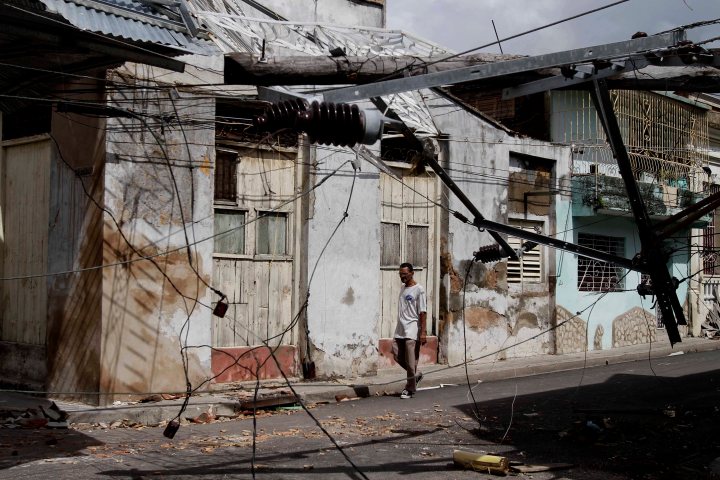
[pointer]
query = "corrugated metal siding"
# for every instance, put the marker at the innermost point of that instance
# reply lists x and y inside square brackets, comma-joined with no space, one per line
[117,25]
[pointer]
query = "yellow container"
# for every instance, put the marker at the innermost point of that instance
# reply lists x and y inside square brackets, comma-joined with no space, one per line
[482,462]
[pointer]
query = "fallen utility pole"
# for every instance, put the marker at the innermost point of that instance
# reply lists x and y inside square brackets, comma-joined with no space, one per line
[328,116]
[247,69]
[609,51]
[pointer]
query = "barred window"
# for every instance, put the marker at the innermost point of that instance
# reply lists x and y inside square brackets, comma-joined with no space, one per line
[597,276]
[528,268]
[389,244]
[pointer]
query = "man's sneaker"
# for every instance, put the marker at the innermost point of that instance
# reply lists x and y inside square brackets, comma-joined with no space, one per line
[405,395]
[418,378]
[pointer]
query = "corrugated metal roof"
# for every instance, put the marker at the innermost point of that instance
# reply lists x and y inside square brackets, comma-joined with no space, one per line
[128,20]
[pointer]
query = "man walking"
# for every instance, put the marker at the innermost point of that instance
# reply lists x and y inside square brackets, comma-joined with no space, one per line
[410,329]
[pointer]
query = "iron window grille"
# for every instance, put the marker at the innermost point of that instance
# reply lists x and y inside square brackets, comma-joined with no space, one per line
[598,276]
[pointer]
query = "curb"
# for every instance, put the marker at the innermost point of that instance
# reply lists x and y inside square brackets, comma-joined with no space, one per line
[389,382]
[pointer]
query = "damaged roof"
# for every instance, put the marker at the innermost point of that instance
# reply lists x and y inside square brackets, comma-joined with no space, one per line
[134,20]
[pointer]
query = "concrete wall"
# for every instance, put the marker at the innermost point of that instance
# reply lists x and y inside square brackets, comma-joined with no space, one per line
[618,318]
[158,196]
[493,315]
[344,303]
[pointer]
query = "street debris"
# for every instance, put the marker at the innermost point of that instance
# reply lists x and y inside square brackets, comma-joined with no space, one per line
[517,467]
[481,462]
[41,417]
[345,398]
[205,417]
[272,401]
[710,328]
[715,469]
[159,397]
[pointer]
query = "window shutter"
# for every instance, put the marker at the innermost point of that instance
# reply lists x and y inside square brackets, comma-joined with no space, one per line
[390,244]
[230,231]
[416,244]
[226,175]
[271,234]
[527,269]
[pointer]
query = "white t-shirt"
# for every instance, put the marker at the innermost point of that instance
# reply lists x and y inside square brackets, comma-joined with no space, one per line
[411,303]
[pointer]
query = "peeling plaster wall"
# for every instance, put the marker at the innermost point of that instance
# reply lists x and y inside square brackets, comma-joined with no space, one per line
[495,316]
[147,305]
[344,304]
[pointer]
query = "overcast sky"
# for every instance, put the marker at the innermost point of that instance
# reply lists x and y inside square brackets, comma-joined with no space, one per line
[465,24]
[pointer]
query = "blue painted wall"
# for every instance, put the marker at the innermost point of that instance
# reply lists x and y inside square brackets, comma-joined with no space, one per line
[611,304]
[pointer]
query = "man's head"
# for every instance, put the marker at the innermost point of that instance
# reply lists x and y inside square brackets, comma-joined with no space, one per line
[406,274]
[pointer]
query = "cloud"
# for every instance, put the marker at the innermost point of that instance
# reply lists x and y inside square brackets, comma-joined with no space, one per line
[465,24]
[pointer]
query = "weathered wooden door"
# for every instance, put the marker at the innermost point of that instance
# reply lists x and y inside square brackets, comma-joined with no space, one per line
[253,262]
[408,233]
[25,196]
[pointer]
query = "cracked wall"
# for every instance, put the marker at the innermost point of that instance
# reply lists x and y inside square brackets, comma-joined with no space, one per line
[495,315]
[158,196]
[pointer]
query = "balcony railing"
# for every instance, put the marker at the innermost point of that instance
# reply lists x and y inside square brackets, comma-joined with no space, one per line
[594,194]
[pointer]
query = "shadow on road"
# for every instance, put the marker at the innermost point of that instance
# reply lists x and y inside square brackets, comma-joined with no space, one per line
[20,446]
[630,426]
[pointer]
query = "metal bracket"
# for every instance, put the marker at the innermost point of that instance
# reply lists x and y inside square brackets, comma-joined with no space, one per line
[560,81]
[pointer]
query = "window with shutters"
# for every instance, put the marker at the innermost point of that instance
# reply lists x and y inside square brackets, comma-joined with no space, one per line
[389,244]
[230,231]
[598,276]
[272,234]
[528,268]
[416,245]
[226,175]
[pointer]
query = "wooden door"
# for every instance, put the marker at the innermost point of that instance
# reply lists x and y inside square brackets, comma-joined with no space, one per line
[25,209]
[408,233]
[254,264]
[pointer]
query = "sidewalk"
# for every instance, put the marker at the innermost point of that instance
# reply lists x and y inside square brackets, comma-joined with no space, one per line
[389,381]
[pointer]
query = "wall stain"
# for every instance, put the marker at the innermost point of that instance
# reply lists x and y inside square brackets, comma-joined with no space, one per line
[525,320]
[481,318]
[349,297]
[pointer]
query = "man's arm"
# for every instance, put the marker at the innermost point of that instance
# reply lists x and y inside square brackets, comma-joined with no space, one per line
[423,335]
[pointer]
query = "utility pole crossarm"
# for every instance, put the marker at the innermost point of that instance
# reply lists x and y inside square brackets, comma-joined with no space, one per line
[581,55]
[540,239]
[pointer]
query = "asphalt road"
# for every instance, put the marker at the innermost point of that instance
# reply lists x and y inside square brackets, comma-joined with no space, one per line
[639,420]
